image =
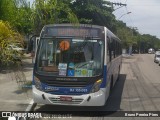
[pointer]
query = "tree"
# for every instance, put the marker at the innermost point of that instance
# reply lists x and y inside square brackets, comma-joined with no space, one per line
[51,12]
[94,12]
[17,13]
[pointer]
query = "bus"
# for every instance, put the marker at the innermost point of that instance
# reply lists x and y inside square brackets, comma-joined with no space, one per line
[76,65]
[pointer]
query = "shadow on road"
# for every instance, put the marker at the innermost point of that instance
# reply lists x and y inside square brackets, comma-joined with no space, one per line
[111,108]
[114,101]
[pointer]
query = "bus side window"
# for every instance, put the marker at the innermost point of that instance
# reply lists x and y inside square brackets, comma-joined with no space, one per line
[117,49]
[112,45]
[109,55]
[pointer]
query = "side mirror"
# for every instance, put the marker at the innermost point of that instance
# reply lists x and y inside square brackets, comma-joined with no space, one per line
[32,44]
[35,46]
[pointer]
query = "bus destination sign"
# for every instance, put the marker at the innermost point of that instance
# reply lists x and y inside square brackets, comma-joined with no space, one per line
[72,32]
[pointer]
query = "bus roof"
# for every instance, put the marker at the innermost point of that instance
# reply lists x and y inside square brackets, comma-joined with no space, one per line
[77,25]
[79,30]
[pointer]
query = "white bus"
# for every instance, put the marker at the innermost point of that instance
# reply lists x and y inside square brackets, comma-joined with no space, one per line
[76,65]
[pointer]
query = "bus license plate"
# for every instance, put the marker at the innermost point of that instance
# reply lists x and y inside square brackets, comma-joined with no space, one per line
[65,98]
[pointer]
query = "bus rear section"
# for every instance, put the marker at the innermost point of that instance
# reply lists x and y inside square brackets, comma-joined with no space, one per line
[70,67]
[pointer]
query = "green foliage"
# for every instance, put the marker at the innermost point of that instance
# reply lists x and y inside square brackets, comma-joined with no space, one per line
[94,12]
[50,12]
[17,13]
[147,41]
[8,37]
[131,37]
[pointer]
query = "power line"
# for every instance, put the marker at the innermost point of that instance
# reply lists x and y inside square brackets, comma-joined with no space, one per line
[130,17]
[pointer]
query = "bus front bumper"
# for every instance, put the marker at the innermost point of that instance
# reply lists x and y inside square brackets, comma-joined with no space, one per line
[92,99]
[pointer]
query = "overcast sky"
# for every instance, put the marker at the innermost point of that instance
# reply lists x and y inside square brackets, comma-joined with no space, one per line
[145,15]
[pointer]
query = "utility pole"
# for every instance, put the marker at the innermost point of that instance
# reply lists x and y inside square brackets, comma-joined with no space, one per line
[118,4]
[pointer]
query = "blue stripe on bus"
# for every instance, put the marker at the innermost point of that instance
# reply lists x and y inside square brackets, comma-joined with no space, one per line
[104,82]
[70,90]
[66,90]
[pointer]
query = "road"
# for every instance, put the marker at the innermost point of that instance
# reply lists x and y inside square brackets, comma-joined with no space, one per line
[12,96]
[138,89]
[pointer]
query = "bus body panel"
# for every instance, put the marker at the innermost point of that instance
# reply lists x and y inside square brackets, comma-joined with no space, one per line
[114,69]
[96,99]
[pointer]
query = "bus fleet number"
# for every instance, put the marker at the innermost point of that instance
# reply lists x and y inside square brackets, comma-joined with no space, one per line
[78,90]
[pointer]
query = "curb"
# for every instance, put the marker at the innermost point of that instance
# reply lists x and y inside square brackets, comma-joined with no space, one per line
[31,106]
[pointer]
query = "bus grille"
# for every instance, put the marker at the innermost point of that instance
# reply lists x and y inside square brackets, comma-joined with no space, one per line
[74,100]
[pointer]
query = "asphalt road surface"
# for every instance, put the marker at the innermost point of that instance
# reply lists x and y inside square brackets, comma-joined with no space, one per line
[12,96]
[138,89]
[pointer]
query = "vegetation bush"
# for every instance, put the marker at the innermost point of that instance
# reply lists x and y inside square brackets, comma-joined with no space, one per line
[9,37]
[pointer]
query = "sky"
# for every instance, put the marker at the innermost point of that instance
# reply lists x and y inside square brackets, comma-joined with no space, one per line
[145,15]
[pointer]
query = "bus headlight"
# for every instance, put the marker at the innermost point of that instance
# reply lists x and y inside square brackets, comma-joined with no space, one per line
[96,86]
[37,83]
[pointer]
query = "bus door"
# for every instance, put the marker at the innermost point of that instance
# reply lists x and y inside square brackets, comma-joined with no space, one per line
[32,46]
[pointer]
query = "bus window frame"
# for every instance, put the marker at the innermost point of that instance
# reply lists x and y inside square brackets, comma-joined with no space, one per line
[40,45]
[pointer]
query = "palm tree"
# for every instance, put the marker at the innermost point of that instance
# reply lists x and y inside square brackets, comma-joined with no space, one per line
[50,12]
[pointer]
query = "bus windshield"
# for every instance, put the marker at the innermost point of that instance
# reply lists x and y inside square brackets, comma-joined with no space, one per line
[70,57]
